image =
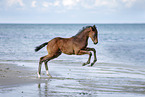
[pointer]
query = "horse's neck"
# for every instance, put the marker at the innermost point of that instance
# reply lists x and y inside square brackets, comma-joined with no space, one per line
[83,36]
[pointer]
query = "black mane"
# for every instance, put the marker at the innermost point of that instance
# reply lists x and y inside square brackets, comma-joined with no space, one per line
[80,31]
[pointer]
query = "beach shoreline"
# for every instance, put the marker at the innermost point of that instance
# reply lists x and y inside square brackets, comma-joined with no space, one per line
[14,75]
[72,79]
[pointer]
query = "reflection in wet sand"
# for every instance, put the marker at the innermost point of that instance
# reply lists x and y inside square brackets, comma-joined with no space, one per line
[103,79]
[40,89]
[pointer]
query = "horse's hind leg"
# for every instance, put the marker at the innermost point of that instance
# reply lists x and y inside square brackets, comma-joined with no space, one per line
[39,70]
[44,59]
[40,64]
[46,67]
[47,58]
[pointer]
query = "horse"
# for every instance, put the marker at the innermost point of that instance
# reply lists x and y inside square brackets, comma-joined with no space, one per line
[75,45]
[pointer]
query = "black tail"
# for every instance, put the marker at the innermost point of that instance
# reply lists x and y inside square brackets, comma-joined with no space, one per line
[40,46]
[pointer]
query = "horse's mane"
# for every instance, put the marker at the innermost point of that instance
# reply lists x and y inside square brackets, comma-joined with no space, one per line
[81,30]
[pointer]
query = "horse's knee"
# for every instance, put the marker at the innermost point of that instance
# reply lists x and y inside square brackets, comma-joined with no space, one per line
[93,50]
[45,62]
[41,60]
[90,54]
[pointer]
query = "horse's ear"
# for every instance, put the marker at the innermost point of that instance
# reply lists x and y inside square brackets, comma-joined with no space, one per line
[94,27]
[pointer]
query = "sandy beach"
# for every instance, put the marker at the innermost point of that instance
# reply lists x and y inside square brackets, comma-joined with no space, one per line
[13,75]
[71,79]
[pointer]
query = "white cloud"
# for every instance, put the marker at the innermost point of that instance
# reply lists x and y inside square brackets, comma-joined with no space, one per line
[70,2]
[56,3]
[46,4]
[87,3]
[90,4]
[33,4]
[107,3]
[128,3]
[13,2]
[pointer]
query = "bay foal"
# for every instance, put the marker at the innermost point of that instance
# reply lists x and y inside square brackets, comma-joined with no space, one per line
[75,45]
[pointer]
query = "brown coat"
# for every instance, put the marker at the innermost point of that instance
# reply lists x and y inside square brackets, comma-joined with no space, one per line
[75,45]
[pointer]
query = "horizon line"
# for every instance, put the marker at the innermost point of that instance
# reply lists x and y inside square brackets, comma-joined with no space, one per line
[72,23]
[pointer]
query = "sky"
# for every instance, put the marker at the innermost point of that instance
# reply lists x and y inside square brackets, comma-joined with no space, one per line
[72,11]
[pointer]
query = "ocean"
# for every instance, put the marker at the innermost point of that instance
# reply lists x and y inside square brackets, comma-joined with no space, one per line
[119,71]
[118,43]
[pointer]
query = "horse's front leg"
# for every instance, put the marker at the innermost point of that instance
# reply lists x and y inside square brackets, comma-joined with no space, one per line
[82,52]
[95,58]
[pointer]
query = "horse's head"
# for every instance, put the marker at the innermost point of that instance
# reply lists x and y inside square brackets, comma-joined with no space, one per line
[93,34]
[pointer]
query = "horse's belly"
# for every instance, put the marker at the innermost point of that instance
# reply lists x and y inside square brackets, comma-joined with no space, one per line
[68,51]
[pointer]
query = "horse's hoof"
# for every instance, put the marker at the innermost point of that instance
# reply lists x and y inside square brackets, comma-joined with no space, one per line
[84,64]
[49,76]
[92,64]
[38,75]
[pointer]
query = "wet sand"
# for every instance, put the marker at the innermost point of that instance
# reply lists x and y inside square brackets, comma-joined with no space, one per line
[13,75]
[71,79]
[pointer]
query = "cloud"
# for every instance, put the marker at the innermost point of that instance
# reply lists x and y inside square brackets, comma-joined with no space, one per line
[107,3]
[14,2]
[69,3]
[47,4]
[128,3]
[72,10]
[89,4]
[33,4]
[56,3]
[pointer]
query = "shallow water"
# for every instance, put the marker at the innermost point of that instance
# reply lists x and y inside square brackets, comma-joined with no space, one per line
[72,79]
[118,72]
[118,43]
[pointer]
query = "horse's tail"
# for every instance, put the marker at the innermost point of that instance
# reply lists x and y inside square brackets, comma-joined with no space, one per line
[40,46]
